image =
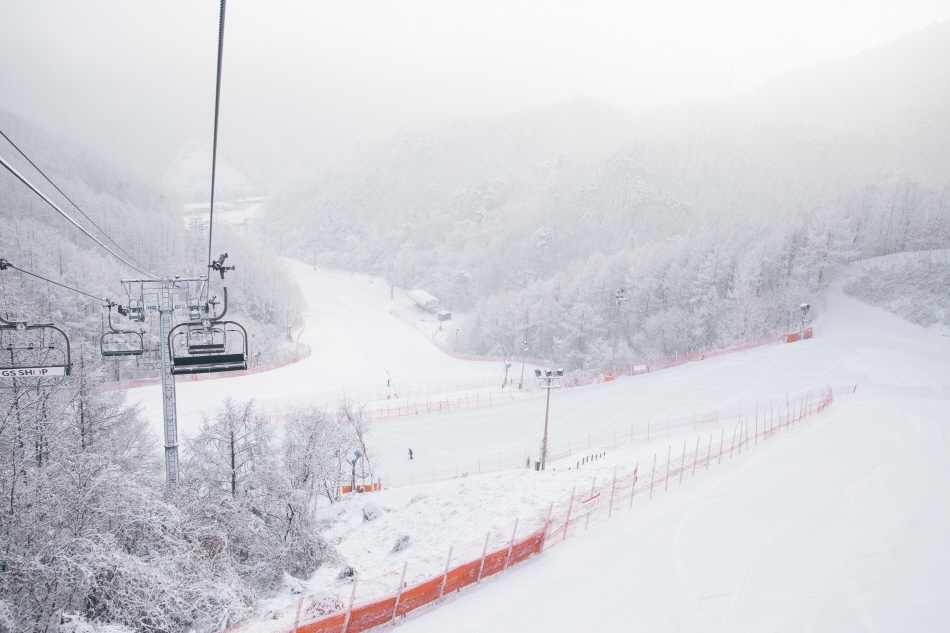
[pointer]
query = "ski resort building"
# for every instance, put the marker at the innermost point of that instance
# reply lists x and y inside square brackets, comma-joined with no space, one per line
[425,301]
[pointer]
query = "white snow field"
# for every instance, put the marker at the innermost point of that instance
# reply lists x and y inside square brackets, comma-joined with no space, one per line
[354,340]
[839,524]
[843,524]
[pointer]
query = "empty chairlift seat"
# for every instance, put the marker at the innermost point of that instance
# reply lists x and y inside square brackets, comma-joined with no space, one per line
[210,347]
[117,344]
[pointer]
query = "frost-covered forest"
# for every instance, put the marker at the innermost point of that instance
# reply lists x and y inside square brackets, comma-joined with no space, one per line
[717,221]
[146,220]
[86,526]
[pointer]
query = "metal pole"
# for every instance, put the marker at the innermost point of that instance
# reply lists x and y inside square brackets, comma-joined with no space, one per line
[652,473]
[613,486]
[402,579]
[696,455]
[511,544]
[524,352]
[349,609]
[169,409]
[445,576]
[666,481]
[481,566]
[544,442]
[570,505]
[633,487]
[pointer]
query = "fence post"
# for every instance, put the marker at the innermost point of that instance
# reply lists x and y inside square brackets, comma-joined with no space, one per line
[683,462]
[593,484]
[633,487]
[570,505]
[613,486]
[349,609]
[544,535]
[722,438]
[297,617]
[666,481]
[402,579]
[445,575]
[653,472]
[511,544]
[696,455]
[708,451]
[481,565]
[732,447]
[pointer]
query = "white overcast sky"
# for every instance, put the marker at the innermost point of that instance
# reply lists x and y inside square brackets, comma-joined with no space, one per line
[343,71]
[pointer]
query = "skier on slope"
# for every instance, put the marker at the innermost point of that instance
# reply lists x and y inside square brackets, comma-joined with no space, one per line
[410,453]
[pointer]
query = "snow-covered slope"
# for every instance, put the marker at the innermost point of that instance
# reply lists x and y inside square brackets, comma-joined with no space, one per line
[840,525]
[355,341]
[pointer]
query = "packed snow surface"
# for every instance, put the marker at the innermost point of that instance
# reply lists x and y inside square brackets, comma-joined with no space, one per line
[842,524]
[839,524]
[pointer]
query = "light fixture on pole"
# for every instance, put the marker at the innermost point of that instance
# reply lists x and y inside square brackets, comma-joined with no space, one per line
[524,352]
[549,379]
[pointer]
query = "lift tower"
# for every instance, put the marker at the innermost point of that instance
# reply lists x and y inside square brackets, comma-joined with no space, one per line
[166,295]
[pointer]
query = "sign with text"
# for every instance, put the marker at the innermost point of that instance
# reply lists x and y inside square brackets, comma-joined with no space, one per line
[32,372]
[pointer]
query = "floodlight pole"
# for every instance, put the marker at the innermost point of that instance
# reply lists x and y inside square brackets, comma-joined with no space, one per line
[524,352]
[550,380]
[544,441]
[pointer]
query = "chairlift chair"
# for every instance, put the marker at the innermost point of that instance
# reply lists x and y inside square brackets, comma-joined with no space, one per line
[117,344]
[209,347]
[32,354]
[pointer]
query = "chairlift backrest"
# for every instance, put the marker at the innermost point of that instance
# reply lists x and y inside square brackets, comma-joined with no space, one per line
[210,338]
[32,354]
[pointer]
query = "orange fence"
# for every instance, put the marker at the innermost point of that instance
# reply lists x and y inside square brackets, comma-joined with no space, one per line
[364,604]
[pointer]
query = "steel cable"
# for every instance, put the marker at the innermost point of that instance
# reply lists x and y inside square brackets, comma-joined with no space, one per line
[29,184]
[75,206]
[214,147]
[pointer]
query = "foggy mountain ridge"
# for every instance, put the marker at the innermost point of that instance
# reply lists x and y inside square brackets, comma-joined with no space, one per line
[495,214]
[871,89]
[189,176]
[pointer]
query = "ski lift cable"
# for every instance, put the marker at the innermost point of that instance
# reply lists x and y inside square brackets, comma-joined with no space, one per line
[214,146]
[26,182]
[4,264]
[68,199]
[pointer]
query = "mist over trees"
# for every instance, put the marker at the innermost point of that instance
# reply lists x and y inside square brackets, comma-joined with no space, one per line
[145,221]
[717,220]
